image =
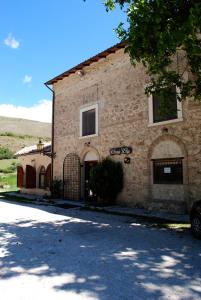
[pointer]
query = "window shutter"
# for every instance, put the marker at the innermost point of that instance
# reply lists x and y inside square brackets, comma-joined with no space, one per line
[20,177]
[30,177]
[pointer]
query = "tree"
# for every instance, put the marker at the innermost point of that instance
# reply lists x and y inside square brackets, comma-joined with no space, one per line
[5,153]
[160,34]
[106,179]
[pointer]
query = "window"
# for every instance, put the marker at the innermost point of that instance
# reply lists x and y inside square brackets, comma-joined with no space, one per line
[164,109]
[168,171]
[89,121]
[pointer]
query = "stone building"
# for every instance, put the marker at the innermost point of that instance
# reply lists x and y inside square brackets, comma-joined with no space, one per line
[100,110]
[34,170]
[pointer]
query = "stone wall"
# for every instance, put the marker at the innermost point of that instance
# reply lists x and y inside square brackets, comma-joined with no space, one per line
[36,160]
[123,110]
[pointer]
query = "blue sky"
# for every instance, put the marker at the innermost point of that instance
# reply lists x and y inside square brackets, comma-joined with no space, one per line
[40,39]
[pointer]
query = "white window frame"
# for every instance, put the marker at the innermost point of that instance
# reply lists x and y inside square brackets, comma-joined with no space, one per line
[87,108]
[151,115]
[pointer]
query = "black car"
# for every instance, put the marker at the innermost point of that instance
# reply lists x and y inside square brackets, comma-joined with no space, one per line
[195,219]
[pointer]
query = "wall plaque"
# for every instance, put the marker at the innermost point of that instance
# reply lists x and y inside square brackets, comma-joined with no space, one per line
[120,150]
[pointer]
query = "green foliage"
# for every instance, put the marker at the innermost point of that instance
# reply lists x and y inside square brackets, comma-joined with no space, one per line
[8,180]
[9,169]
[106,179]
[56,188]
[21,136]
[160,31]
[8,164]
[5,153]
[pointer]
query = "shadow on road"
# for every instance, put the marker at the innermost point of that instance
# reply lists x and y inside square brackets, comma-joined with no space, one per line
[103,255]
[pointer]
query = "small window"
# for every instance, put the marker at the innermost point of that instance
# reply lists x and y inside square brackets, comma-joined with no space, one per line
[168,171]
[88,121]
[165,109]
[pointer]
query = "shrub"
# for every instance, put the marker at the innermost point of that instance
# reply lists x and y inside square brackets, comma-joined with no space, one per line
[5,153]
[56,188]
[106,179]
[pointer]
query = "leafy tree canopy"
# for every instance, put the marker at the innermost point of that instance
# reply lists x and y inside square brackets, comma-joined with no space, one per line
[5,153]
[162,32]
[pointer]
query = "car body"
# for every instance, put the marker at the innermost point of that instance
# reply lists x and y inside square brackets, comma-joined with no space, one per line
[195,219]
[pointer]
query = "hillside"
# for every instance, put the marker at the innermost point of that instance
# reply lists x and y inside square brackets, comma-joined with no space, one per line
[18,133]
[25,127]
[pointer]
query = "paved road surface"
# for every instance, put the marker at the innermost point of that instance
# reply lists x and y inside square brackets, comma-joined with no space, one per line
[56,254]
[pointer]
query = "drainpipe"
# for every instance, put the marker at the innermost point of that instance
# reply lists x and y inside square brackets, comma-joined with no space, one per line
[52,142]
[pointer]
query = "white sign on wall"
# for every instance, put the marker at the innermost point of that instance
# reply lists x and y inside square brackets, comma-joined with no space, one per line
[167,170]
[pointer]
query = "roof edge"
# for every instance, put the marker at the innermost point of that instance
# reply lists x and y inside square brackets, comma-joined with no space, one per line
[87,62]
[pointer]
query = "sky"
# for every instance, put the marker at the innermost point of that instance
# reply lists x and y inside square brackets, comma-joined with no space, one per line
[40,39]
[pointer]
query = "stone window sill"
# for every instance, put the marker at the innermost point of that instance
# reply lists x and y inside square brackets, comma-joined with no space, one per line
[88,136]
[165,122]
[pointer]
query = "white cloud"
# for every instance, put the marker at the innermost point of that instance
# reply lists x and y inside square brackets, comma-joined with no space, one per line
[11,42]
[27,79]
[42,111]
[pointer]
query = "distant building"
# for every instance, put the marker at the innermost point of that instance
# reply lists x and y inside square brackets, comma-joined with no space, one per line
[100,110]
[34,171]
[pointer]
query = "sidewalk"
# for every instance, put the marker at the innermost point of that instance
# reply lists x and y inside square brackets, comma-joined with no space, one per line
[128,211]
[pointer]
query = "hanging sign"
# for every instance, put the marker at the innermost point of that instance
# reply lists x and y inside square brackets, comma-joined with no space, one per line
[120,150]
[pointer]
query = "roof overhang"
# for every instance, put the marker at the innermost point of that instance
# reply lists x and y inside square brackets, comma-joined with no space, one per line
[87,62]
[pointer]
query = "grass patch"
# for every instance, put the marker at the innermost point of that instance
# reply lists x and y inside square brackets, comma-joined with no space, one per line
[8,182]
[8,165]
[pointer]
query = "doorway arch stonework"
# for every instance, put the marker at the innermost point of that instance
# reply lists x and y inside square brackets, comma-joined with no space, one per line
[170,196]
[89,155]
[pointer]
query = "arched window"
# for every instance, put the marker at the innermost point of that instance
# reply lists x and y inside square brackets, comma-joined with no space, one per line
[42,178]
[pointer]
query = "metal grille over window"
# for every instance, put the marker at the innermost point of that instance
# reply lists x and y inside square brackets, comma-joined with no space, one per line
[168,171]
[165,107]
[71,177]
[89,122]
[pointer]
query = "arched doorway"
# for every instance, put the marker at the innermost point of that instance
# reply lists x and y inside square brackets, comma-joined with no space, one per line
[48,176]
[20,177]
[90,161]
[42,177]
[71,177]
[30,177]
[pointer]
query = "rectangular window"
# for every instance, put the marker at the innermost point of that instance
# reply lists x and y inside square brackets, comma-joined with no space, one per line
[88,120]
[165,107]
[168,171]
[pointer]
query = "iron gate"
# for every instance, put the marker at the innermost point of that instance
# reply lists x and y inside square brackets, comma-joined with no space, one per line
[71,177]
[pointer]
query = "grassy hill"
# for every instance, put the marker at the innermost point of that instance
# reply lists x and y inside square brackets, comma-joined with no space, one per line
[14,135]
[18,133]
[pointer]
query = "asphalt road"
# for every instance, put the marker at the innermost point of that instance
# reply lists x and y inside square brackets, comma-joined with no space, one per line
[56,254]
